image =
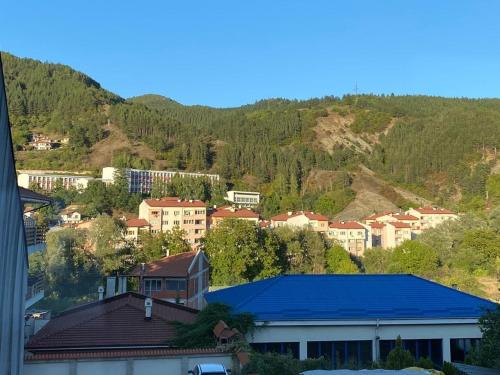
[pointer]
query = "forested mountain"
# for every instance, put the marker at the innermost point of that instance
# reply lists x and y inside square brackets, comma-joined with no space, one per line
[445,149]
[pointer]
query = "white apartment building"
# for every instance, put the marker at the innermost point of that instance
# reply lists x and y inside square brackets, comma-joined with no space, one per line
[430,217]
[351,235]
[49,181]
[395,233]
[243,198]
[166,213]
[141,181]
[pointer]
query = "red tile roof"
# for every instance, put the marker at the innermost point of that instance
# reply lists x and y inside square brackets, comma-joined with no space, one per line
[124,353]
[433,211]
[377,225]
[346,225]
[264,223]
[136,223]
[310,215]
[400,225]
[170,266]
[405,217]
[375,216]
[234,212]
[115,321]
[174,202]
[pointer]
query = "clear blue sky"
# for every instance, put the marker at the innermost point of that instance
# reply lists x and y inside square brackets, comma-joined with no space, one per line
[227,53]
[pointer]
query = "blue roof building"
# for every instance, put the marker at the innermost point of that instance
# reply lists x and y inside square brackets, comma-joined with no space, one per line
[355,319]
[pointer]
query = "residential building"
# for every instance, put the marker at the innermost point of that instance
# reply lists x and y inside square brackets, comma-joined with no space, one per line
[50,181]
[380,217]
[35,234]
[354,320]
[430,217]
[70,215]
[217,215]
[243,198]
[42,145]
[141,181]
[13,249]
[411,220]
[134,228]
[169,212]
[301,219]
[376,233]
[395,233]
[353,236]
[181,278]
[125,334]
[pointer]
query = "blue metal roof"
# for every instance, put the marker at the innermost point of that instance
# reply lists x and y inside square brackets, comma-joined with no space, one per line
[349,297]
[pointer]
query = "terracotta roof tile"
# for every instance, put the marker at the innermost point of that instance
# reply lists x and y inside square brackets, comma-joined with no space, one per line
[115,321]
[173,202]
[310,215]
[398,224]
[375,216]
[346,225]
[377,225]
[133,223]
[405,217]
[234,212]
[124,353]
[170,266]
[433,211]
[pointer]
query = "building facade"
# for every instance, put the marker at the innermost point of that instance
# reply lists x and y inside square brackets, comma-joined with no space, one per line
[394,233]
[50,181]
[301,219]
[351,235]
[141,181]
[167,213]
[243,198]
[430,318]
[430,217]
[181,278]
[134,228]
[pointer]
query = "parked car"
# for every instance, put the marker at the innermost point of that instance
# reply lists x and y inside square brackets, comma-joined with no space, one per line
[209,369]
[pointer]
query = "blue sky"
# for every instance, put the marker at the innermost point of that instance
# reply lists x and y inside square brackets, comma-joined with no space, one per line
[227,53]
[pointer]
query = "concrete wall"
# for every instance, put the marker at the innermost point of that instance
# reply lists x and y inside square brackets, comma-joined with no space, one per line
[303,334]
[125,366]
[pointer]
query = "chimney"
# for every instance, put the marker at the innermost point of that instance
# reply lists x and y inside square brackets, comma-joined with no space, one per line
[215,206]
[100,290]
[148,305]
[289,213]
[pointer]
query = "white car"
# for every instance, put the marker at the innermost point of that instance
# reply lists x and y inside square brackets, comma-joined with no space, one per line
[209,369]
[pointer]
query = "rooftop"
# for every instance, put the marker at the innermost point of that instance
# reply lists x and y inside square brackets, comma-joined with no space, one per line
[434,211]
[234,212]
[375,216]
[169,266]
[310,215]
[405,217]
[349,297]
[116,321]
[399,225]
[136,223]
[173,202]
[346,225]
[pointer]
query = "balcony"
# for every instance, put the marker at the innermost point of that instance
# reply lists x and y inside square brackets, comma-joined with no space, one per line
[35,291]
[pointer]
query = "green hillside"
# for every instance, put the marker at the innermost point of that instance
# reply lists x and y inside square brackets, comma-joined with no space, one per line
[444,149]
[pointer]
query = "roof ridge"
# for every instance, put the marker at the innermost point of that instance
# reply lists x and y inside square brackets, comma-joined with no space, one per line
[272,281]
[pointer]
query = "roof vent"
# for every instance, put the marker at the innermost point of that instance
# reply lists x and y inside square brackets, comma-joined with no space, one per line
[148,306]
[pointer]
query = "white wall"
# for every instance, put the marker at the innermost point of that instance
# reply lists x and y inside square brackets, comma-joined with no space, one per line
[303,334]
[126,366]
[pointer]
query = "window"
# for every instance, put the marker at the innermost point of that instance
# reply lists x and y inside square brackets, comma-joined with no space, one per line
[199,212]
[177,213]
[460,348]
[177,222]
[429,348]
[342,233]
[152,285]
[165,222]
[343,354]
[175,285]
[277,347]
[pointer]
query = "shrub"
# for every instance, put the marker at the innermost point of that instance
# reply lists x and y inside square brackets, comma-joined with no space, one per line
[425,362]
[399,358]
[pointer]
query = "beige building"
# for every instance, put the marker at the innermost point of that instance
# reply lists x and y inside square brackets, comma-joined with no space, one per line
[353,236]
[430,217]
[166,213]
[301,219]
[217,215]
[243,198]
[394,233]
[134,227]
[70,215]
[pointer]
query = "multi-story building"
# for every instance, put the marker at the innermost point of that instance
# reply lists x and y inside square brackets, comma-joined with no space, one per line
[395,233]
[243,198]
[134,228]
[42,145]
[219,214]
[70,215]
[141,181]
[430,217]
[376,229]
[166,213]
[380,217]
[50,181]
[181,278]
[351,235]
[301,219]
